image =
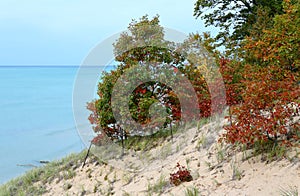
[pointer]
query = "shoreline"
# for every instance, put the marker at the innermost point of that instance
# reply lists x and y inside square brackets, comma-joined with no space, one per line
[215,170]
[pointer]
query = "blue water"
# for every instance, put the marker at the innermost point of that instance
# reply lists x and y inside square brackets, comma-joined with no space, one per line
[36,117]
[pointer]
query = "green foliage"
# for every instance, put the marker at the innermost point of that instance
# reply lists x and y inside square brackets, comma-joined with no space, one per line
[143,54]
[278,45]
[238,16]
[145,32]
[144,48]
[262,88]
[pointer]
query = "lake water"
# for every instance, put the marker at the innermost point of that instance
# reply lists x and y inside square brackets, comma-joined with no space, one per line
[36,117]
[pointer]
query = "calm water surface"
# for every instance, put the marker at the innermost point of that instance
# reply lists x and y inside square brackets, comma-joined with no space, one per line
[36,117]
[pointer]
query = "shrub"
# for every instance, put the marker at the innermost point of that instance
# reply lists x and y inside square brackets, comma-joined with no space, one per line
[182,175]
[270,81]
[268,109]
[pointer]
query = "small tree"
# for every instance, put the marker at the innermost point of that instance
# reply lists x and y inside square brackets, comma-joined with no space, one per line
[143,47]
[143,54]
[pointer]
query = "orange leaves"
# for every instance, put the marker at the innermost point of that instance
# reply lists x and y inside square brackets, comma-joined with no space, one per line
[270,81]
[140,90]
[266,110]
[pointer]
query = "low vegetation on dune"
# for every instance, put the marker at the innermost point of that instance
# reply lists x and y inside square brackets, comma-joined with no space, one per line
[32,183]
[201,167]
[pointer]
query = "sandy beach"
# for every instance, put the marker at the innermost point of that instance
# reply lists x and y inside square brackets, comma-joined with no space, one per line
[216,170]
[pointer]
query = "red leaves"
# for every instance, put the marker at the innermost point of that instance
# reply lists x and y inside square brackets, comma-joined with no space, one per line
[231,73]
[96,140]
[182,175]
[175,69]
[266,112]
[140,90]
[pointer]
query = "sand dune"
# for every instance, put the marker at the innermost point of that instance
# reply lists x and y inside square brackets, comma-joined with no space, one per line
[216,170]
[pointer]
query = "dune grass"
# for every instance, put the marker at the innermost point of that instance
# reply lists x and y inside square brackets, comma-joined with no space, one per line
[147,142]
[144,143]
[56,170]
[290,191]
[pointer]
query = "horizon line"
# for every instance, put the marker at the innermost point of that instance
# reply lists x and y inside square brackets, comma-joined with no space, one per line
[49,66]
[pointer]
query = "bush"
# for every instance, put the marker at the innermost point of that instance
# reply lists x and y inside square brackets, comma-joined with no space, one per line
[182,175]
[270,79]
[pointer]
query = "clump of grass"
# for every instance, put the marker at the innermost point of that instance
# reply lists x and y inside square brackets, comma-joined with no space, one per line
[269,150]
[97,186]
[159,187]
[67,186]
[26,184]
[220,154]
[209,165]
[201,142]
[68,174]
[190,124]
[166,150]
[291,191]
[125,193]
[202,122]
[191,191]
[236,173]
[127,178]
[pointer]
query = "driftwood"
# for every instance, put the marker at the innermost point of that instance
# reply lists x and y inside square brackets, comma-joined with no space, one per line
[44,162]
[32,165]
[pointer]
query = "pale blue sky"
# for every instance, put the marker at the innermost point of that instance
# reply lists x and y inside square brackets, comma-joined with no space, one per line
[55,32]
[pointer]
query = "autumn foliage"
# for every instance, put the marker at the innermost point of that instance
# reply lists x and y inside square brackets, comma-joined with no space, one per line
[261,82]
[269,110]
[154,55]
[181,175]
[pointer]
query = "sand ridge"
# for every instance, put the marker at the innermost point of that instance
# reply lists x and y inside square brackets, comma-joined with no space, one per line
[216,170]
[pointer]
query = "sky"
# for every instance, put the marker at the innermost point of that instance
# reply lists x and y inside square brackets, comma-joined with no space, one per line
[55,32]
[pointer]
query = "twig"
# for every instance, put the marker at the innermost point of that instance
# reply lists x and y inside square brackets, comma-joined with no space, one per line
[87,154]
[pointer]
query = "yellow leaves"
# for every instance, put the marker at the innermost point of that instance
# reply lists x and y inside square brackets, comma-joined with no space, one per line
[172,94]
[202,70]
